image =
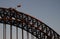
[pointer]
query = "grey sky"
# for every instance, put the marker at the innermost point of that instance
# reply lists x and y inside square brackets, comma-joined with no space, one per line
[48,11]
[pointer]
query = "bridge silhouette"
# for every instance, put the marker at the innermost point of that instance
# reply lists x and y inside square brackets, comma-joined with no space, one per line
[31,25]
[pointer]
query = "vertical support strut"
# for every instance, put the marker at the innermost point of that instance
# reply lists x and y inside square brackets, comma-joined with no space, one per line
[22,34]
[10,26]
[16,32]
[10,31]
[4,28]
[4,31]
[27,35]
[22,31]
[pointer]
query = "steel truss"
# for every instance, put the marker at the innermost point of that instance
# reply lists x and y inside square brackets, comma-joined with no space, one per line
[28,23]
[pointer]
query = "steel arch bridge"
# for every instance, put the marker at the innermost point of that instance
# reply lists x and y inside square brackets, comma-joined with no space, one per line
[35,27]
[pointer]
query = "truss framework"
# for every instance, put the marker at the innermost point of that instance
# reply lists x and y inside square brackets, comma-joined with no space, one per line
[28,23]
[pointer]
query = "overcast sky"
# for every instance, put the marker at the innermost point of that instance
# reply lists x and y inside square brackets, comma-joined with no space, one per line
[48,11]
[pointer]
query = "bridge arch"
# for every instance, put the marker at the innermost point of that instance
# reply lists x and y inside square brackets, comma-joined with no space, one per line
[28,23]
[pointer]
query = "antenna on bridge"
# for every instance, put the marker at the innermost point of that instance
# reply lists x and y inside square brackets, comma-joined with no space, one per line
[18,6]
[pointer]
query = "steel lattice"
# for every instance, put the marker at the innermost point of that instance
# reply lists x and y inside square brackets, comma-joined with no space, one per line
[30,24]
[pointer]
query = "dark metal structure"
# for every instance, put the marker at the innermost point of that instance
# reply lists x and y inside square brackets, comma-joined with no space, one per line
[26,22]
